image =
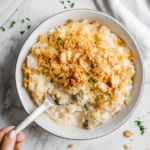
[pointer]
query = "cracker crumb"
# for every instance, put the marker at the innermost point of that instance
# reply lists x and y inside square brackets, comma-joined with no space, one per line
[40,37]
[126,146]
[71,20]
[71,146]
[128,133]
[94,23]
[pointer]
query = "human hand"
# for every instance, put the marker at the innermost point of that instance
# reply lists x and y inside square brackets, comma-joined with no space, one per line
[10,140]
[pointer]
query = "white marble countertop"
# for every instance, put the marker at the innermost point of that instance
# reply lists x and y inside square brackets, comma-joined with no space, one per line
[11,110]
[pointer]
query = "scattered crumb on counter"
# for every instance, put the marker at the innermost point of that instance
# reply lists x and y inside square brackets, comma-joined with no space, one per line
[128,133]
[126,146]
[71,146]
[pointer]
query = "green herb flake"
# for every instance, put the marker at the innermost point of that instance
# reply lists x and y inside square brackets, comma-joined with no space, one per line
[119,85]
[91,89]
[82,92]
[109,94]
[93,85]
[48,38]
[29,26]
[107,100]
[110,103]
[28,19]
[95,42]
[96,65]
[59,38]
[65,7]
[3,29]
[12,24]
[89,80]
[42,72]
[72,5]
[61,44]
[138,117]
[92,104]
[142,132]
[22,32]
[22,20]
[142,128]
[131,140]
[39,47]
[60,52]
[102,95]
[47,72]
[69,1]
[62,2]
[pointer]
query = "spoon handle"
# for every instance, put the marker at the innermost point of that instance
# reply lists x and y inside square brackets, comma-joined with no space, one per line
[32,117]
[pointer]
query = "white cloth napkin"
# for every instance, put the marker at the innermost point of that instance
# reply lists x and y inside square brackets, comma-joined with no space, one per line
[135,16]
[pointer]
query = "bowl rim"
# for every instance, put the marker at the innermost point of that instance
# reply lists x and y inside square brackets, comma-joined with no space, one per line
[143,68]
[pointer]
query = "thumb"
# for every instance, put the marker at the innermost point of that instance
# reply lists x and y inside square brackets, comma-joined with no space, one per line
[9,141]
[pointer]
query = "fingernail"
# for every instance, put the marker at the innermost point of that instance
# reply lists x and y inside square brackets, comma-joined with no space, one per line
[11,134]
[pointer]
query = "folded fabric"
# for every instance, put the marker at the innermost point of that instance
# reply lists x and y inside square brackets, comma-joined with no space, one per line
[135,16]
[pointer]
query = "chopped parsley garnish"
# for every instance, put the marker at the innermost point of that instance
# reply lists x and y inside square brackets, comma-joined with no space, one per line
[69,1]
[92,80]
[91,89]
[42,72]
[29,26]
[82,92]
[119,85]
[28,19]
[96,65]
[110,103]
[22,20]
[142,128]
[65,7]
[102,95]
[109,94]
[3,29]
[93,85]
[61,44]
[12,24]
[95,42]
[107,100]
[91,66]
[22,32]
[72,5]
[131,140]
[92,104]
[39,47]
[48,38]
[138,117]
[62,2]
[60,52]
[59,38]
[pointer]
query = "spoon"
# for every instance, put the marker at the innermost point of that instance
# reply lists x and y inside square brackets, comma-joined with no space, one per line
[49,102]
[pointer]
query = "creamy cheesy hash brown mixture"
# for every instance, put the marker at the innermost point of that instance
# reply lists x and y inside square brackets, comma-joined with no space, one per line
[83,62]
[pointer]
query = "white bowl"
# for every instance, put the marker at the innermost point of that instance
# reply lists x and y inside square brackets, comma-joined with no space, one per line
[73,132]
